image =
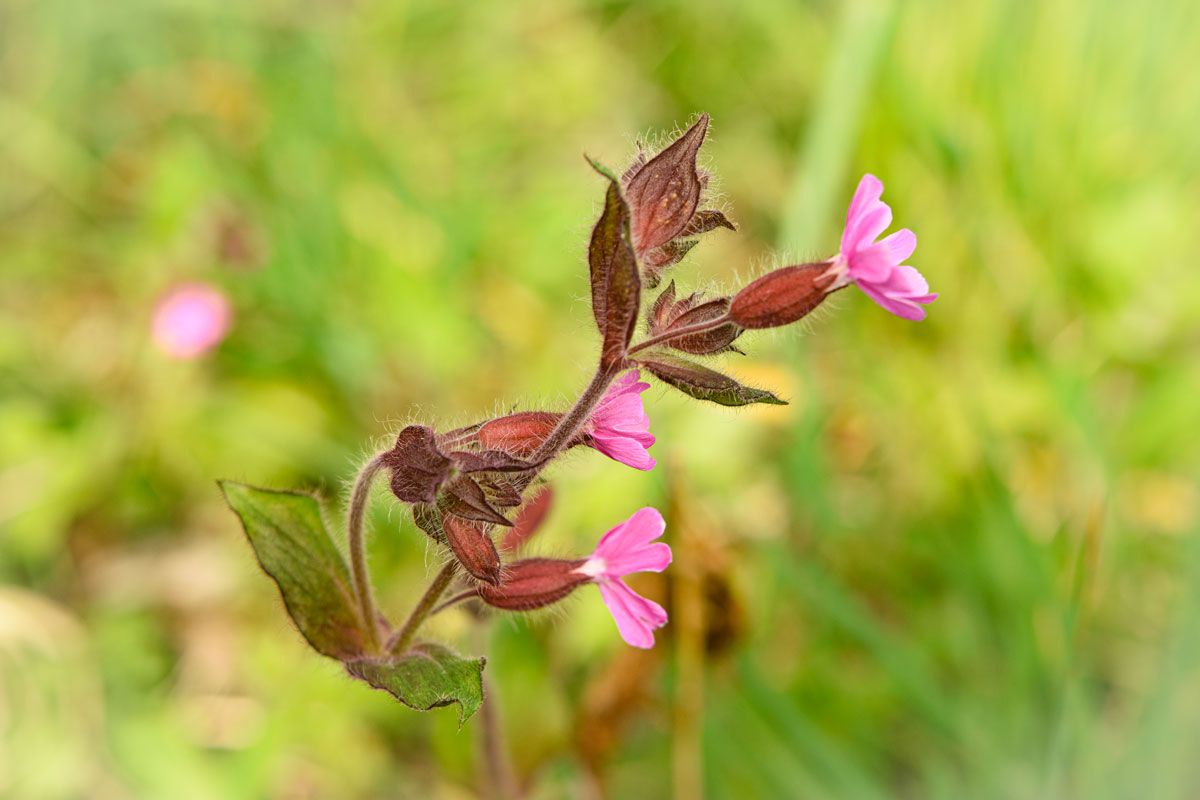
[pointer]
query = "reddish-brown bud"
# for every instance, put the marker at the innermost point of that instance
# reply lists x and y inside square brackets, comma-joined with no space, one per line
[473,548]
[669,314]
[528,519]
[782,296]
[418,467]
[520,434]
[713,340]
[533,583]
[663,194]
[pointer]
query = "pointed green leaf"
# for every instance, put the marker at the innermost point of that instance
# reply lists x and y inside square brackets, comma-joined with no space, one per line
[294,548]
[427,676]
[703,383]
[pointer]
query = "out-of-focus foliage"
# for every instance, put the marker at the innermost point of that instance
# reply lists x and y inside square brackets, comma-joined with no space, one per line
[962,563]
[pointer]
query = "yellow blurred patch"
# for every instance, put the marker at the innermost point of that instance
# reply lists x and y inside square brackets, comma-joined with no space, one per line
[1159,502]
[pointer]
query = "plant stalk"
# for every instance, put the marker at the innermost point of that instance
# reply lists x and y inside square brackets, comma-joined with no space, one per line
[358,552]
[403,637]
[573,420]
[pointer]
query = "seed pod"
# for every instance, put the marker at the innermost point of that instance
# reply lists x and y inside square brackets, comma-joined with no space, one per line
[781,297]
[473,548]
[664,193]
[533,583]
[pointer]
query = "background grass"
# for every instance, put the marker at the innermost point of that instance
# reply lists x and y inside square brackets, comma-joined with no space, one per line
[964,562]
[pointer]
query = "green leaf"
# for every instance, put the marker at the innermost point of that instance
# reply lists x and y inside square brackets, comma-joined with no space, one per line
[427,676]
[294,548]
[704,383]
[603,170]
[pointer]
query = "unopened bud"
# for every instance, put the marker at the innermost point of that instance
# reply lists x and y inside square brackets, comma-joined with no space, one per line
[781,297]
[418,467]
[520,434]
[528,519]
[664,193]
[473,548]
[533,583]
[713,340]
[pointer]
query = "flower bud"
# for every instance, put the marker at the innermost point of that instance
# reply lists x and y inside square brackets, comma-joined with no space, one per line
[663,195]
[473,548]
[529,519]
[533,583]
[418,467]
[781,297]
[519,434]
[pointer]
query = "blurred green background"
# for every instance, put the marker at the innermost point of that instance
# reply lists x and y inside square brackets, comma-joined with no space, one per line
[964,562]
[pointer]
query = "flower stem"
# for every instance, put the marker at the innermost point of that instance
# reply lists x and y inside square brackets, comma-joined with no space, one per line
[458,598]
[403,637]
[573,420]
[699,327]
[499,781]
[358,554]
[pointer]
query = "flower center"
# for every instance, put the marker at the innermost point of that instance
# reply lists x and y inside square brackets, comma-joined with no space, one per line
[839,269]
[594,567]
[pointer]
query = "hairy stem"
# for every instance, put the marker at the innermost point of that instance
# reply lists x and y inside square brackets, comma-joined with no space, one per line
[573,420]
[358,550]
[699,327]
[453,601]
[499,781]
[403,637]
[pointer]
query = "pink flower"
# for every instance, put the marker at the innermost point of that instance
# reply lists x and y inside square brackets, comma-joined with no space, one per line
[876,266]
[190,320]
[630,547]
[619,427]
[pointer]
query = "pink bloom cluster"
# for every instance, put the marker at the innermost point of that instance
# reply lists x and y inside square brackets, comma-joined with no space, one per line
[627,548]
[877,267]
[190,320]
[619,427]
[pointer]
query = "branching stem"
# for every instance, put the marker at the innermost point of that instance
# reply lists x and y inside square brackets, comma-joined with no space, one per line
[699,327]
[574,419]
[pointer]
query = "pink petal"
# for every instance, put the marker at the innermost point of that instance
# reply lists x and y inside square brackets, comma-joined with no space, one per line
[625,383]
[636,617]
[643,526]
[894,297]
[626,449]
[873,263]
[648,558]
[623,386]
[902,243]
[625,411]
[909,281]
[869,190]
[863,232]
[190,320]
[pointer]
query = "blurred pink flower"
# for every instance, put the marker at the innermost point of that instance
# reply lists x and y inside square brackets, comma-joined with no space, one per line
[630,547]
[619,427]
[190,320]
[876,266]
